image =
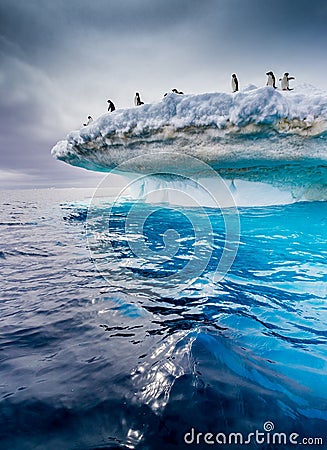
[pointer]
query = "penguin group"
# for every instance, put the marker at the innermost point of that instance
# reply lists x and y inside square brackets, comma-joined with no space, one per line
[271,81]
[137,102]
[175,91]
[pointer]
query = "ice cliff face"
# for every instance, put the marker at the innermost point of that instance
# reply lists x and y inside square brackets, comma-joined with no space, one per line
[258,134]
[256,124]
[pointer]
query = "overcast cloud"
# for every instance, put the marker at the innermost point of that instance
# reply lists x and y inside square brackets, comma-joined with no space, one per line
[61,60]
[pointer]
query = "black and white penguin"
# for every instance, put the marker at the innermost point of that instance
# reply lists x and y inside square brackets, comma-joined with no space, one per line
[285,82]
[271,79]
[89,120]
[137,100]
[111,106]
[175,91]
[234,83]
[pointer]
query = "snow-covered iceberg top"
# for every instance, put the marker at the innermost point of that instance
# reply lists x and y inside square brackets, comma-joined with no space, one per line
[255,124]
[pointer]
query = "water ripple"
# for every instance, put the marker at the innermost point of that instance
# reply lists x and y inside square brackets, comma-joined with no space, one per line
[115,362]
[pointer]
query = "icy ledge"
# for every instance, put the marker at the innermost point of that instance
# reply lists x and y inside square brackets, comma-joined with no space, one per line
[215,127]
[259,134]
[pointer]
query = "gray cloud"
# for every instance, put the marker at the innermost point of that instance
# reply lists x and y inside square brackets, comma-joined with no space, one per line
[61,60]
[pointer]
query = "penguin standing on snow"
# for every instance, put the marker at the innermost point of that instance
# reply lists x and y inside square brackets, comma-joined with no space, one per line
[271,80]
[285,82]
[89,120]
[137,100]
[234,83]
[111,106]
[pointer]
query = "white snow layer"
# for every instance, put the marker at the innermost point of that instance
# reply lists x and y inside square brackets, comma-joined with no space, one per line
[258,134]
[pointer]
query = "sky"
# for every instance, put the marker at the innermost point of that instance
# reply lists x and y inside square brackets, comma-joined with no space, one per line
[60,60]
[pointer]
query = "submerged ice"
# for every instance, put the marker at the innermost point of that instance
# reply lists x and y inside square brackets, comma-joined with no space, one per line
[258,135]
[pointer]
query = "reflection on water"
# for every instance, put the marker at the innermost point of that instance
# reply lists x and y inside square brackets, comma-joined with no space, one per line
[90,362]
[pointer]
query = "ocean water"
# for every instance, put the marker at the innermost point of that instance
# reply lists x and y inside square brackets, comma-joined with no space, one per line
[104,348]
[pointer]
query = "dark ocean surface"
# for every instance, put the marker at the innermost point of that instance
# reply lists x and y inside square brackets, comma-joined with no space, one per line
[98,351]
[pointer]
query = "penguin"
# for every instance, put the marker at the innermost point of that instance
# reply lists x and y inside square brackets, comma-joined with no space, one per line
[137,100]
[111,106]
[175,91]
[271,80]
[285,82]
[234,83]
[89,120]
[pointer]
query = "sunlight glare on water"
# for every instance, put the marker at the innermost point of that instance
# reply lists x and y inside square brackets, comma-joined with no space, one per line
[110,360]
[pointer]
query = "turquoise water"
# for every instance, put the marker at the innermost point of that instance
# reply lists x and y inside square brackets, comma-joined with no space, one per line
[98,350]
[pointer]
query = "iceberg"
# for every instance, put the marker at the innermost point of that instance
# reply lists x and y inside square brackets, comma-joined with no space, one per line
[258,134]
